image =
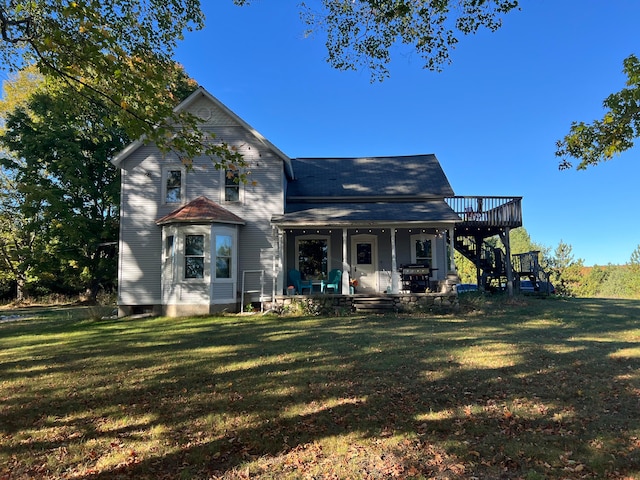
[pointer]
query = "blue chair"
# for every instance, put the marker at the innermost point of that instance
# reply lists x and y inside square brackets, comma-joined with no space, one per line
[296,281]
[335,281]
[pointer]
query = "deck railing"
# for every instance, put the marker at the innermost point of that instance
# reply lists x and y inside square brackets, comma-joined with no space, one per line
[488,211]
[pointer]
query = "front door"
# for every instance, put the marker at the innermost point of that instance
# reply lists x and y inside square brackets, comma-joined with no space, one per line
[364,258]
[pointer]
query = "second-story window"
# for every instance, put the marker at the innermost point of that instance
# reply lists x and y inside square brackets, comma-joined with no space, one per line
[232,186]
[173,186]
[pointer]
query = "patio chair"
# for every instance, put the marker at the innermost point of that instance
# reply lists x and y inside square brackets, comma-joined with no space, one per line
[335,281]
[296,280]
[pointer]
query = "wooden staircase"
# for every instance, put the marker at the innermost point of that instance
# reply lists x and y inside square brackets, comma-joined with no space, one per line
[374,304]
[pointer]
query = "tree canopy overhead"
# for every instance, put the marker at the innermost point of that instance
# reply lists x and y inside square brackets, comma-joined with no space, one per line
[361,33]
[117,54]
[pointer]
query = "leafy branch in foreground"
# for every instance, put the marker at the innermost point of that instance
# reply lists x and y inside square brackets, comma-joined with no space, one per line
[116,54]
[614,133]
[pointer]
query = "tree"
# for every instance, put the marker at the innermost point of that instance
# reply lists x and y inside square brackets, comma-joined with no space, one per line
[117,55]
[65,192]
[634,271]
[566,272]
[614,133]
[362,33]
[18,242]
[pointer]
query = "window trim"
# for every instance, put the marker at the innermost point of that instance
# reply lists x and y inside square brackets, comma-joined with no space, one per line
[183,183]
[424,236]
[187,256]
[232,232]
[183,233]
[223,189]
[326,238]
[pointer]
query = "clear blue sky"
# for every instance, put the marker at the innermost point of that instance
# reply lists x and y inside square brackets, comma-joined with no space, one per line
[492,117]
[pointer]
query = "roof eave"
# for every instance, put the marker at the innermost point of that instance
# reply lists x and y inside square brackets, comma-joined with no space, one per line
[199,221]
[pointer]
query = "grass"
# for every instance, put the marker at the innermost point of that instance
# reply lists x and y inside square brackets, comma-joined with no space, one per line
[531,389]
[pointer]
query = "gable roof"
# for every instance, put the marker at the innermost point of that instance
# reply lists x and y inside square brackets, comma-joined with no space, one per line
[201,210]
[200,93]
[318,179]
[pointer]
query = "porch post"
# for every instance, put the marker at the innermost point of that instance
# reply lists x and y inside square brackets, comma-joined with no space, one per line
[452,249]
[345,264]
[279,263]
[394,262]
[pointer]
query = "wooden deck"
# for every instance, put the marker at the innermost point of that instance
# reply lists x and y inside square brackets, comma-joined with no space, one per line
[486,213]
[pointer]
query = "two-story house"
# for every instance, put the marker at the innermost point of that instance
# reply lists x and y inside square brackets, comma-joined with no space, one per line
[192,241]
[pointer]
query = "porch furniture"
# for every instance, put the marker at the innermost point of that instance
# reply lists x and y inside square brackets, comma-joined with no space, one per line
[334,282]
[317,285]
[296,280]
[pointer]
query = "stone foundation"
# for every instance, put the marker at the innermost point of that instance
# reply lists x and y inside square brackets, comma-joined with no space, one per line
[343,304]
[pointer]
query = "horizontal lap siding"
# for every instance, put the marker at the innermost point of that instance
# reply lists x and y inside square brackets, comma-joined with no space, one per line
[141,238]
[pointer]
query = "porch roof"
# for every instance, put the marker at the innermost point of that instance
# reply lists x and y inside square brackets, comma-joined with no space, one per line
[379,213]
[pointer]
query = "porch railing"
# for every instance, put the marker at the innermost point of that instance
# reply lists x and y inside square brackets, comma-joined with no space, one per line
[487,211]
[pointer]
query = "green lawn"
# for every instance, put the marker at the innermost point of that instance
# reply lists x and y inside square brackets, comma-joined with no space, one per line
[532,389]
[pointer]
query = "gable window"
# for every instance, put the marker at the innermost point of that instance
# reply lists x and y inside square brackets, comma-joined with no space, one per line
[224,255]
[312,257]
[194,256]
[173,185]
[231,185]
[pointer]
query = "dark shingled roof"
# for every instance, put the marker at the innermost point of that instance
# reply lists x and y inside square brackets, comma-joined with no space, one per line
[364,213]
[414,175]
[201,210]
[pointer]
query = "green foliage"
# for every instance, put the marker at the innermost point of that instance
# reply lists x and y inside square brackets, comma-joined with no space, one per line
[566,272]
[64,192]
[614,133]
[619,283]
[116,55]
[363,33]
[466,268]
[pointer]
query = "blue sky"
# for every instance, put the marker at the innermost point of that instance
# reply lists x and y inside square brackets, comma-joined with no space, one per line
[492,117]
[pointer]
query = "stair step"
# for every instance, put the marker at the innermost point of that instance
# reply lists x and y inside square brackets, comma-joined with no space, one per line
[374,304]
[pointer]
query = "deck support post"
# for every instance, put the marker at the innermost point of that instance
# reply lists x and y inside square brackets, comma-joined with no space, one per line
[478,239]
[504,236]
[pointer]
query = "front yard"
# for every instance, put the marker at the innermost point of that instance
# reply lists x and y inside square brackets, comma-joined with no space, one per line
[532,389]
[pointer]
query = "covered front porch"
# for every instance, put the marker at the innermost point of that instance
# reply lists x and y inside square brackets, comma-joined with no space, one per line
[372,257]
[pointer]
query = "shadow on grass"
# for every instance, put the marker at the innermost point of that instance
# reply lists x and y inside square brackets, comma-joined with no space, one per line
[538,389]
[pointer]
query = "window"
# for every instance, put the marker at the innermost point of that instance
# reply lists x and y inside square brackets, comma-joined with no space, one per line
[313,257]
[224,255]
[232,186]
[169,251]
[194,256]
[173,185]
[422,250]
